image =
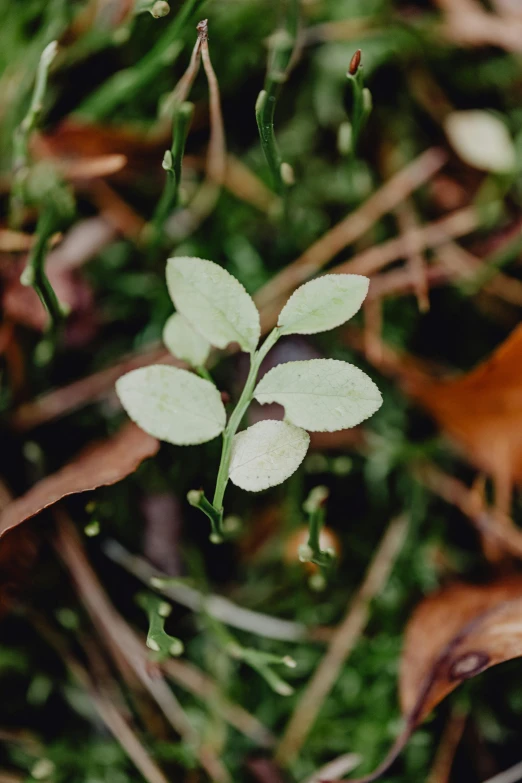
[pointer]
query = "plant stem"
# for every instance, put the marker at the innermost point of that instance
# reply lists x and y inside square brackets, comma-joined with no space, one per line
[283,43]
[125,84]
[34,273]
[197,498]
[172,165]
[237,416]
[22,134]
[362,104]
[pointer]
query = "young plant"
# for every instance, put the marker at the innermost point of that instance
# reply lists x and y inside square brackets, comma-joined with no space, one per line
[319,395]
[362,103]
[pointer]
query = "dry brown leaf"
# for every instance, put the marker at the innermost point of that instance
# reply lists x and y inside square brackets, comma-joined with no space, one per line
[482,411]
[100,464]
[453,635]
[73,141]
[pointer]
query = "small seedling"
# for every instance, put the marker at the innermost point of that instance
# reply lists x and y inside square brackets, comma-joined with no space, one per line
[319,395]
[362,105]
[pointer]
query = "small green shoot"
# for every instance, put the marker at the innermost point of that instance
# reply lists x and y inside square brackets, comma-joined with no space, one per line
[319,395]
[158,640]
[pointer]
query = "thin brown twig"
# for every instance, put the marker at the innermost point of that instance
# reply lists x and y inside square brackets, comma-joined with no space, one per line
[183,87]
[372,310]
[106,705]
[498,532]
[464,265]
[468,23]
[90,389]
[192,679]
[431,235]
[127,650]
[407,222]
[441,769]
[216,153]
[342,643]
[336,769]
[395,190]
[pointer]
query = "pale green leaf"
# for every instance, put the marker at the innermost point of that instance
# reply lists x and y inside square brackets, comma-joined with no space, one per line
[320,395]
[172,404]
[266,454]
[323,304]
[184,342]
[215,303]
[481,140]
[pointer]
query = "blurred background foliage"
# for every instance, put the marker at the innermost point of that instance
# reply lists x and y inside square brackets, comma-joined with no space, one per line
[109,79]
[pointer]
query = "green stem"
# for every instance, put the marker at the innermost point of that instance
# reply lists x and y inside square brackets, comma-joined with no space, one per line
[124,85]
[22,134]
[157,8]
[277,73]
[237,416]
[34,273]
[315,523]
[361,106]
[158,639]
[197,498]
[172,165]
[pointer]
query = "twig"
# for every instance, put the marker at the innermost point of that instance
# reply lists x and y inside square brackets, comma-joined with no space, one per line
[511,775]
[498,531]
[90,389]
[342,643]
[372,311]
[445,755]
[472,273]
[188,677]
[125,84]
[127,650]
[105,704]
[114,209]
[407,222]
[353,226]
[216,153]
[468,23]
[336,769]
[214,605]
[282,47]
[430,235]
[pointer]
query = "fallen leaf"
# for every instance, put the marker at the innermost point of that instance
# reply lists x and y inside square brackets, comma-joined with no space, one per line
[482,411]
[453,635]
[481,139]
[100,464]
[72,141]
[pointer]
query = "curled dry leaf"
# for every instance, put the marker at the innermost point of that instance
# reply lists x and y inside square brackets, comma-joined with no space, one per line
[482,411]
[100,464]
[452,636]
